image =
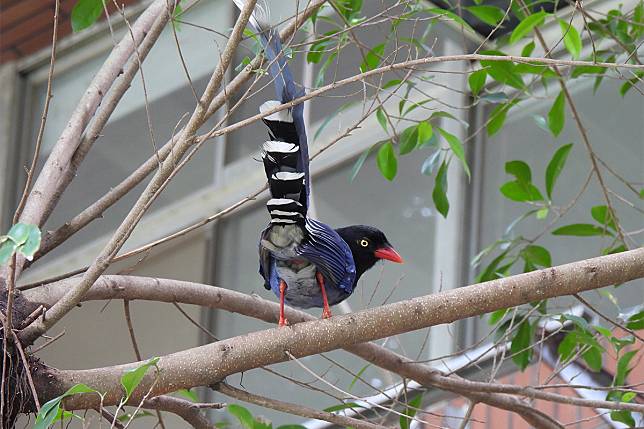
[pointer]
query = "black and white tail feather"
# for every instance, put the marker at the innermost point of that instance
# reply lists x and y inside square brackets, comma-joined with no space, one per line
[285,155]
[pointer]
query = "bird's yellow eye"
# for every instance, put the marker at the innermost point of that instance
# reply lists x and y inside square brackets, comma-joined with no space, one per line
[364,243]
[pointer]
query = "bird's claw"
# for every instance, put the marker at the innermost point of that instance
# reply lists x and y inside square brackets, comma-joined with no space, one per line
[326,313]
[283,322]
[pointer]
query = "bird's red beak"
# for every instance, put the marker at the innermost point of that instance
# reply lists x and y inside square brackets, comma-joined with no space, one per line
[389,254]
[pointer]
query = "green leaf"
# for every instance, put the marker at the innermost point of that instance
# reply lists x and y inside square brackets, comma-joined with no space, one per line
[7,250]
[457,148]
[636,321]
[521,191]
[319,80]
[495,97]
[527,25]
[527,49]
[382,119]
[567,346]
[593,358]
[580,230]
[373,57]
[85,13]
[520,347]
[188,394]
[425,134]
[131,378]
[555,166]
[622,368]
[451,15]
[358,375]
[19,233]
[502,71]
[581,70]
[439,194]
[344,406]
[410,411]
[497,315]
[476,81]
[623,416]
[50,412]
[602,215]
[520,170]
[537,255]
[579,322]
[497,118]
[542,213]
[571,39]
[556,115]
[408,140]
[630,83]
[243,415]
[491,15]
[387,162]
[392,83]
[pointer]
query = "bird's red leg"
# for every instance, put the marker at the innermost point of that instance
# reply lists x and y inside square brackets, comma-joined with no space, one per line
[326,311]
[283,321]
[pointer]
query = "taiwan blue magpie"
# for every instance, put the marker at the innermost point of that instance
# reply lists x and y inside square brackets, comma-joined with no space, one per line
[303,261]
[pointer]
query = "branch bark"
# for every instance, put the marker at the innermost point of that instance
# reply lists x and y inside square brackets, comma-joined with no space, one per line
[210,363]
[188,411]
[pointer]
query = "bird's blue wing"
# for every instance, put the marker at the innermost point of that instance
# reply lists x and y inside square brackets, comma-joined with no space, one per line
[330,254]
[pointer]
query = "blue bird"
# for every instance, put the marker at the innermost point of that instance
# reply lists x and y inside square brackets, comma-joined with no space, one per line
[303,261]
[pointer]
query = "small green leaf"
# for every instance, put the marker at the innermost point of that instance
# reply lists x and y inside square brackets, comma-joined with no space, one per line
[457,148]
[580,230]
[555,166]
[636,321]
[491,15]
[358,375]
[520,170]
[527,25]
[7,250]
[243,415]
[521,191]
[344,406]
[497,315]
[623,368]
[567,346]
[593,358]
[476,81]
[497,118]
[630,83]
[85,13]
[571,39]
[623,416]
[373,57]
[527,49]
[50,412]
[602,215]
[31,245]
[382,120]
[19,233]
[537,255]
[520,347]
[556,115]
[392,83]
[408,140]
[188,394]
[502,71]
[425,134]
[410,411]
[542,213]
[131,378]
[387,162]
[439,194]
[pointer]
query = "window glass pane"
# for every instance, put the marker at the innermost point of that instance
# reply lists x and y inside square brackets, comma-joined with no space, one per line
[615,130]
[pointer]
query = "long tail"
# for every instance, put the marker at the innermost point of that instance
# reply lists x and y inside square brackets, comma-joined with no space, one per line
[285,155]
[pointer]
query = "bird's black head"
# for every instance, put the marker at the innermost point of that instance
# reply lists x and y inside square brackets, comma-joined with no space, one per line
[368,245]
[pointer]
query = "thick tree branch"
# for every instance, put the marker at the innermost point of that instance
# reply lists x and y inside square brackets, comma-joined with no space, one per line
[188,411]
[210,363]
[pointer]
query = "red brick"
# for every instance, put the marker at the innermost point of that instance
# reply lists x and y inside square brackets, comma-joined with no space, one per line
[10,16]
[34,25]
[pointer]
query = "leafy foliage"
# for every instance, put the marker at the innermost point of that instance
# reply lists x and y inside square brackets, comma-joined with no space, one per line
[21,238]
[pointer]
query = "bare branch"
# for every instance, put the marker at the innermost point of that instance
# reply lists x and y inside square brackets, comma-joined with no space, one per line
[188,411]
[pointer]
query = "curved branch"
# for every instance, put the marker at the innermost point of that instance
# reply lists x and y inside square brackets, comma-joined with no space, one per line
[210,363]
[188,411]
